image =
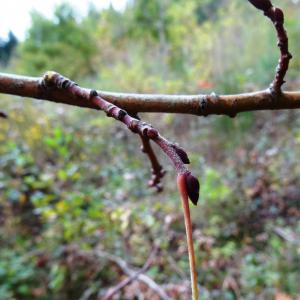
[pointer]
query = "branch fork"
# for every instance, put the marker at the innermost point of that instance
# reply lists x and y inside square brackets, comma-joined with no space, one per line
[53,81]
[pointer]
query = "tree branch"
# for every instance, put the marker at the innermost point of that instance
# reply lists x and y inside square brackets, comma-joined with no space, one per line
[53,82]
[199,105]
[276,15]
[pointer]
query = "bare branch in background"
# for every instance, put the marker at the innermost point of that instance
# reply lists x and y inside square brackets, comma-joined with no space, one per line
[113,291]
[141,277]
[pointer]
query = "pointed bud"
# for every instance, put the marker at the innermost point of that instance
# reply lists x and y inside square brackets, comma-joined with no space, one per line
[192,187]
[181,153]
[264,5]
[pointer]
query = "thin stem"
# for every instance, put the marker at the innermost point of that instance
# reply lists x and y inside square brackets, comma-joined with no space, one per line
[181,183]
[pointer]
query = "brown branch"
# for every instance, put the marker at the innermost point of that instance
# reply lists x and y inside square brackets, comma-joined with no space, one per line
[53,82]
[200,105]
[276,15]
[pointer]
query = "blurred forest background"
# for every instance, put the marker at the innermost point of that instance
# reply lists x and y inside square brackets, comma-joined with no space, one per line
[73,183]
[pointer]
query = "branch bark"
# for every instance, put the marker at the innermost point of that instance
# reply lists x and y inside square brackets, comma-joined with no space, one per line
[199,105]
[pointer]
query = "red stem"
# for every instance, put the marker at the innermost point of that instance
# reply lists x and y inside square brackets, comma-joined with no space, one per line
[181,183]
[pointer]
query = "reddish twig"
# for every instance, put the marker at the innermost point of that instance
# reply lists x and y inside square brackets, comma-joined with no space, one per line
[54,81]
[276,15]
[157,170]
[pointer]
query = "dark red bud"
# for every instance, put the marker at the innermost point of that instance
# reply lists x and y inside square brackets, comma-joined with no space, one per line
[181,153]
[192,187]
[264,5]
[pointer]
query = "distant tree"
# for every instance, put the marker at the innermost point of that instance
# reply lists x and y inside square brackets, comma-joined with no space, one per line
[7,48]
[62,44]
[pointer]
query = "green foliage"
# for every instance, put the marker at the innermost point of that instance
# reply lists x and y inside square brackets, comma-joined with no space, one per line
[62,44]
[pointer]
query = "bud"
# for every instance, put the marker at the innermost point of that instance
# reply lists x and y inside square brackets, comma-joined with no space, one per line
[181,153]
[192,187]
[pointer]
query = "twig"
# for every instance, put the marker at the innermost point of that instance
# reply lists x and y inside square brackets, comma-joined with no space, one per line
[111,292]
[141,277]
[53,82]
[157,170]
[276,15]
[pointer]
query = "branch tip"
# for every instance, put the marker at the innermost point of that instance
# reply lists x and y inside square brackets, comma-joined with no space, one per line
[177,155]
